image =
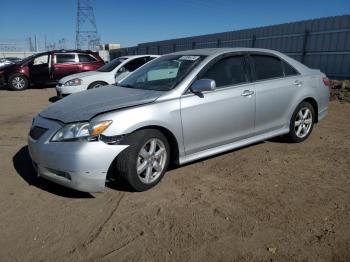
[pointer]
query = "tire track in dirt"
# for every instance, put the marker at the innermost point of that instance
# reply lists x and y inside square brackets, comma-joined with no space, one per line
[108,218]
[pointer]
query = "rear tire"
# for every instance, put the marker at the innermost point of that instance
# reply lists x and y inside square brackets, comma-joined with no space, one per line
[143,164]
[302,122]
[18,82]
[96,84]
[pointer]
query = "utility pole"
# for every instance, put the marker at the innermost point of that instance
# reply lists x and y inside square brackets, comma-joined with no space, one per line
[86,30]
[35,44]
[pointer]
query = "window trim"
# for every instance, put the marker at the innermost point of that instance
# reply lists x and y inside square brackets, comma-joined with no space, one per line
[252,66]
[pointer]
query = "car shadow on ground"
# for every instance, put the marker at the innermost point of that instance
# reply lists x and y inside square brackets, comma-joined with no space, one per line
[23,165]
[54,99]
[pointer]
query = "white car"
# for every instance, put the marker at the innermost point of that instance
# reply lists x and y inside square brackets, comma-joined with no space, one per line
[109,73]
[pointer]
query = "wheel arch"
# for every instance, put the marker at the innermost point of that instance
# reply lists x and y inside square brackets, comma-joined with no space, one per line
[98,81]
[18,74]
[174,145]
[314,104]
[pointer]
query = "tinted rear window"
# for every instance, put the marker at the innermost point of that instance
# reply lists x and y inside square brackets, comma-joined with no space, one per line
[289,70]
[65,58]
[86,58]
[267,67]
[136,63]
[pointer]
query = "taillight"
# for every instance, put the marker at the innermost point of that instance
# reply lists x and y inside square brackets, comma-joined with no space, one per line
[326,81]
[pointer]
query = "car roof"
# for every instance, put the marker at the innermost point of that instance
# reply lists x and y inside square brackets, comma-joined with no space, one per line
[136,56]
[213,52]
[222,50]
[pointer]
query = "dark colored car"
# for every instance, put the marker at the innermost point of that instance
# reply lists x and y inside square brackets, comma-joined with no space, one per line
[48,67]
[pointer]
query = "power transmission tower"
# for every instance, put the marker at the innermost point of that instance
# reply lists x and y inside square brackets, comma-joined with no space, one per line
[86,30]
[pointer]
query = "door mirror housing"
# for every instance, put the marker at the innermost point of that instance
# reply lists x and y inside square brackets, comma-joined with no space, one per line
[202,85]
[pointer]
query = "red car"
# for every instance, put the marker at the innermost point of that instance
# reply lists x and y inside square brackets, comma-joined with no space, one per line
[48,67]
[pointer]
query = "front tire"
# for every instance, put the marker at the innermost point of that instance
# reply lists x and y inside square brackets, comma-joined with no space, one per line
[18,82]
[96,85]
[144,163]
[302,122]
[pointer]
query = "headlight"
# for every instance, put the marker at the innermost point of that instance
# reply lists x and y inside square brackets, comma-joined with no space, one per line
[77,131]
[73,82]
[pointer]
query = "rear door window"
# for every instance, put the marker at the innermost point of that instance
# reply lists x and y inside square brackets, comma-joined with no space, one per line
[135,63]
[65,58]
[83,58]
[267,67]
[289,70]
[228,71]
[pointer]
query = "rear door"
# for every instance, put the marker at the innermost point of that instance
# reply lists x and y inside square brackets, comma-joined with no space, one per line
[88,63]
[221,116]
[65,64]
[39,69]
[275,84]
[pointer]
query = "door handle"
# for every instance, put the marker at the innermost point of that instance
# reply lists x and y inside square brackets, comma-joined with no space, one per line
[298,83]
[247,93]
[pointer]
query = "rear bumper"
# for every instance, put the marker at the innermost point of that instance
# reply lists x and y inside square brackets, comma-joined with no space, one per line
[322,114]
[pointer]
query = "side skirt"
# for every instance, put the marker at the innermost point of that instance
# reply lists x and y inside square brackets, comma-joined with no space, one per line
[234,145]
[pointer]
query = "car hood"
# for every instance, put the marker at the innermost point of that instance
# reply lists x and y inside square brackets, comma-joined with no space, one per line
[7,66]
[85,105]
[79,75]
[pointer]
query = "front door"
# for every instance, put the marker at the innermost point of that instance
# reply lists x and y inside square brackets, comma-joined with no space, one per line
[39,69]
[224,115]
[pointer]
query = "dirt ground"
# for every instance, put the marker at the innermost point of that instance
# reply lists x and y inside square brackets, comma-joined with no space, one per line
[272,201]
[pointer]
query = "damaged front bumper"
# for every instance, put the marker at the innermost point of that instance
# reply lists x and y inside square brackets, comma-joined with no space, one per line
[80,165]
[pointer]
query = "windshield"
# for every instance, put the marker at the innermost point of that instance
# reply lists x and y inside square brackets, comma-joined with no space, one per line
[111,65]
[162,74]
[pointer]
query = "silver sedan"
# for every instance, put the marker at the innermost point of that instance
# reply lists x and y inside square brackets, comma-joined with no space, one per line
[178,108]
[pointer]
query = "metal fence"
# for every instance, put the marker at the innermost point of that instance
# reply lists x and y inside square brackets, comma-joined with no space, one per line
[322,43]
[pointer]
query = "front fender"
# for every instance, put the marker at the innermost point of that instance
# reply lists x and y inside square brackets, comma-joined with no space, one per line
[165,114]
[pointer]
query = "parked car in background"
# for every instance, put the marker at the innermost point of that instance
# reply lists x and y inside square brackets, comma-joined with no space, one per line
[48,67]
[110,73]
[9,60]
[214,101]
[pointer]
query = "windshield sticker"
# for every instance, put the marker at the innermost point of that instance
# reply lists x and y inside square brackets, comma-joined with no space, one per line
[189,57]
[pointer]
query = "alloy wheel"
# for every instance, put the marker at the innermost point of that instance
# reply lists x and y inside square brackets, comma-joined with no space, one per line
[151,160]
[303,122]
[18,82]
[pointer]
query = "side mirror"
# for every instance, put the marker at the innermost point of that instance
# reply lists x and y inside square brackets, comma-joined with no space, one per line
[202,85]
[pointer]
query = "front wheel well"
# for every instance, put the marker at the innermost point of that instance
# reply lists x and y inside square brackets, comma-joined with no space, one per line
[174,146]
[103,82]
[314,104]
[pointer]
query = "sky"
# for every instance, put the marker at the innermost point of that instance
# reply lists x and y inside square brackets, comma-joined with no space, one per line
[132,22]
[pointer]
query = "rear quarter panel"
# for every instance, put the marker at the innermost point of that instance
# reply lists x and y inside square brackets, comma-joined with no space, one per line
[312,87]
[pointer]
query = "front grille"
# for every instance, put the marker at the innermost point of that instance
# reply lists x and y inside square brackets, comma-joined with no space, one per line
[36,132]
